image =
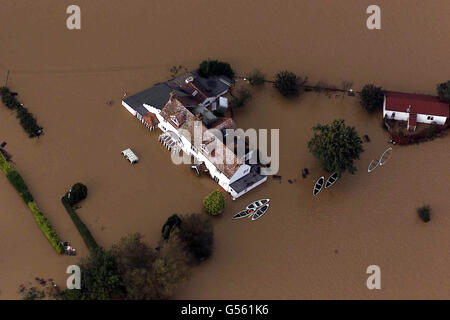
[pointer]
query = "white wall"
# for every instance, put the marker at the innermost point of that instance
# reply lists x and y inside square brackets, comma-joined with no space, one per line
[237,195]
[130,109]
[422,118]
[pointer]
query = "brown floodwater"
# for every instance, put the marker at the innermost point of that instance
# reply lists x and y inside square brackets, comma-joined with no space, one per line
[304,247]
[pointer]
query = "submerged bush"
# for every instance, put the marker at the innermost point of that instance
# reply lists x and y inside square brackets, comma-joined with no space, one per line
[424,213]
[77,193]
[19,184]
[214,203]
[240,98]
[288,83]
[372,97]
[256,78]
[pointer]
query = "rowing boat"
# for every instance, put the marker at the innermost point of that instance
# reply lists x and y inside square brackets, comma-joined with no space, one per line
[259,203]
[260,212]
[386,156]
[318,186]
[331,180]
[244,213]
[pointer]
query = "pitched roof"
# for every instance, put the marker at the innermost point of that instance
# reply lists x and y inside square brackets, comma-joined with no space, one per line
[156,96]
[418,103]
[227,162]
[150,119]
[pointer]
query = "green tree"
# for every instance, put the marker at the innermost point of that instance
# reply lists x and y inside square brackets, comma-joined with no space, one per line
[134,264]
[100,279]
[240,98]
[372,97]
[444,91]
[288,84]
[172,223]
[336,145]
[214,203]
[78,193]
[170,269]
[216,68]
[197,234]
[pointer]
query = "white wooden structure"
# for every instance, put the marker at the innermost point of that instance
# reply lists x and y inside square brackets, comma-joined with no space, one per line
[130,155]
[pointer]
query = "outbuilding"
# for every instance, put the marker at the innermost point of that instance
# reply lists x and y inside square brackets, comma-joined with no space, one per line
[415,108]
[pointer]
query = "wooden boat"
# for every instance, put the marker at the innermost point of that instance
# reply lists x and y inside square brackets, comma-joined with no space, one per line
[331,180]
[259,203]
[260,212]
[318,186]
[386,156]
[244,213]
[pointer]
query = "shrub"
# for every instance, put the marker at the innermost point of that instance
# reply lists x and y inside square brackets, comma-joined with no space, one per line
[197,234]
[256,78]
[424,213]
[172,223]
[27,120]
[241,98]
[288,83]
[216,68]
[214,203]
[19,184]
[77,193]
[46,227]
[82,229]
[372,97]
[443,90]
[336,145]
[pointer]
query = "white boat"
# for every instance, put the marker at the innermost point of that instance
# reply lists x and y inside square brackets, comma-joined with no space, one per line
[258,203]
[318,186]
[260,212]
[386,156]
[244,213]
[373,166]
[331,180]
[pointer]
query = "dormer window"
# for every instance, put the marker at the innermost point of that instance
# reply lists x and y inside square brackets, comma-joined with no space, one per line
[194,93]
[175,120]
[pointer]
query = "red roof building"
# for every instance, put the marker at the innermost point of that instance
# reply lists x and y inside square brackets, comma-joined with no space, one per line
[415,108]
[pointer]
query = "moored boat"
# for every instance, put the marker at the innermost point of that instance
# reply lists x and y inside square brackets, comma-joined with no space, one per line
[260,212]
[318,186]
[244,213]
[331,180]
[258,203]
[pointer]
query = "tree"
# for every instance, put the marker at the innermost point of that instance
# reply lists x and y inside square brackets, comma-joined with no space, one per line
[172,223]
[134,264]
[444,91]
[197,234]
[241,98]
[214,203]
[216,68]
[336,145]
[170,268]
[288,83]
[256,78]
[78,192]
[372,97]
[99,278]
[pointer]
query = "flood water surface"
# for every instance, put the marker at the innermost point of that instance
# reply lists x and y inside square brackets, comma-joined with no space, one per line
[304,247]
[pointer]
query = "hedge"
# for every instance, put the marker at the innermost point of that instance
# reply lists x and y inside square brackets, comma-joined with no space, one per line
[19,184]
[82,229]
[27,119]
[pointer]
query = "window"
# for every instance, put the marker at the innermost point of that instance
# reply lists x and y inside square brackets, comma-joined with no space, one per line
[430,118]
[393,115]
